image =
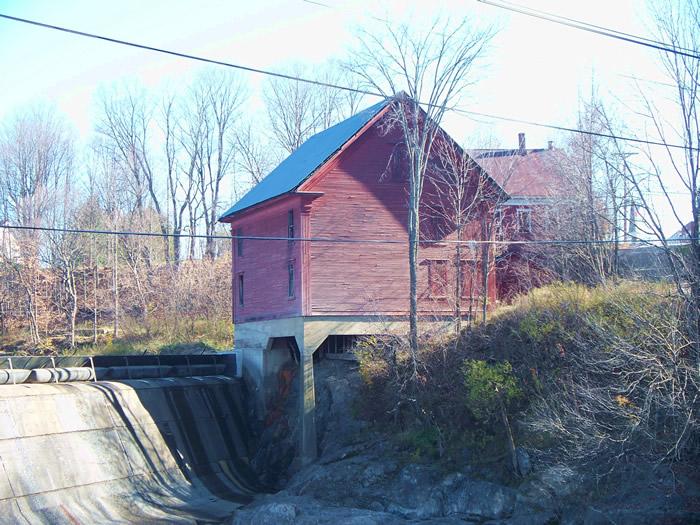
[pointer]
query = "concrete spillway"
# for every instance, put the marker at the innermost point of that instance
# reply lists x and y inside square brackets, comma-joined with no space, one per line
[142,451]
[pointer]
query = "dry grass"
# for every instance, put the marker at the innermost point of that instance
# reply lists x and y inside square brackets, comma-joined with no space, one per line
[604,372]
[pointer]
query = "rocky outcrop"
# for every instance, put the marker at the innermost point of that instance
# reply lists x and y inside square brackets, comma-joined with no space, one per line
[283,509]
[370,478]
[362,478]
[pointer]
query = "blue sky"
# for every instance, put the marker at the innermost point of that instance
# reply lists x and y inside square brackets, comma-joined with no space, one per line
[535,70]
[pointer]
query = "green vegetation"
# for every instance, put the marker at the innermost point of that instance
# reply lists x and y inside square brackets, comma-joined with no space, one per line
[488,386]
[567,372]
[422,443]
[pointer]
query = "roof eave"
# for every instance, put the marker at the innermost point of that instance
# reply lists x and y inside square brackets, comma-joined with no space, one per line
[228,217]
[309,195]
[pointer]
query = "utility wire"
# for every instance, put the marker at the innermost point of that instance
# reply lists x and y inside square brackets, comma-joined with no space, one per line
[649,81]
[318,3]
[326,84]
[576,130]
[335,240]
[592,28]
[188,56]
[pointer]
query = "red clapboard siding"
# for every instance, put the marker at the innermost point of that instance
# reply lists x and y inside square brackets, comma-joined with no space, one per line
[357,204]
[264,263]
[352,200]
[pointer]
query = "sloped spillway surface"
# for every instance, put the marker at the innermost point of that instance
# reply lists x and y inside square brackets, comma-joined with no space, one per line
[141,451]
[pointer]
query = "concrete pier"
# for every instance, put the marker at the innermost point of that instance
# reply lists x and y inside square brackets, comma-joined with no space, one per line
[264,349]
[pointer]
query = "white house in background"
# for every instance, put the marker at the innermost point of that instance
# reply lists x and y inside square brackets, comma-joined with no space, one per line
[9,247]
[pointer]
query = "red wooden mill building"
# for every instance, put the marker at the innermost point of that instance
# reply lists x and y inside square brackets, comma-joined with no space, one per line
[293,298]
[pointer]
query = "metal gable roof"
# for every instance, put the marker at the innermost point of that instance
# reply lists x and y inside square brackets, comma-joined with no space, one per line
[305,160]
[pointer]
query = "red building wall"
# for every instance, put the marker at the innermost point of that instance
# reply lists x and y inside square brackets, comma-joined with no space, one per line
[264,263]
[362,201]
[354,197]
[521,267]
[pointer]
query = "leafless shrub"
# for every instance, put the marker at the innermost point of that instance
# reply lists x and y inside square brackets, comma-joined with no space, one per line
[621,395]
[604,376]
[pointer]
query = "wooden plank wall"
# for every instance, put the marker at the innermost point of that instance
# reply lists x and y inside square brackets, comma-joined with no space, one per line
[264,263]
[362,201]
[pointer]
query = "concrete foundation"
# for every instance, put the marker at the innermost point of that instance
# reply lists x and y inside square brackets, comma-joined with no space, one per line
[264,347]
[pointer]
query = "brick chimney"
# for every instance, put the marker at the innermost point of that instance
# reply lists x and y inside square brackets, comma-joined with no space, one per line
[521,144]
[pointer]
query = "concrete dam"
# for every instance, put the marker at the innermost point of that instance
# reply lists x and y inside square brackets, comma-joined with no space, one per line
[169,445]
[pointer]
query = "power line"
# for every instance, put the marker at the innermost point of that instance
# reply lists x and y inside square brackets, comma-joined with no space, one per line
[188,56]
[323,84]
[592,28]
[576,130]
[318,3]
[649,81]
[336,240]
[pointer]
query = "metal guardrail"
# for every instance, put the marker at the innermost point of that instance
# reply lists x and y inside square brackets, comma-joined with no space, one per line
[68,368]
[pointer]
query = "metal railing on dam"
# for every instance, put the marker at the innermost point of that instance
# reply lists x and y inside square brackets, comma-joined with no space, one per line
[55,369]
[163,449]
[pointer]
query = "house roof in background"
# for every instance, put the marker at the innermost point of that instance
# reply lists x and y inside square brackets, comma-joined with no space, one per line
[684,233]
[305,160]
[536,173]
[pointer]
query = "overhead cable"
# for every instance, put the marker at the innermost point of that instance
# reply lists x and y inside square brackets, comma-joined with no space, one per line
[325,84]
[188,56]
[592,28]
[337,240]
[576,130]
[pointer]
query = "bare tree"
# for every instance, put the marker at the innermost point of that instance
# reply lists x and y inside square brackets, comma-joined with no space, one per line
[679,24]
[458,195]
[115,200]
[215,103]
[297,110]
[65,256]
[669,167]
[89,215]
[425,73]
[36,154]
[181,180]
[599,192]
[254,158]
[126,123]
